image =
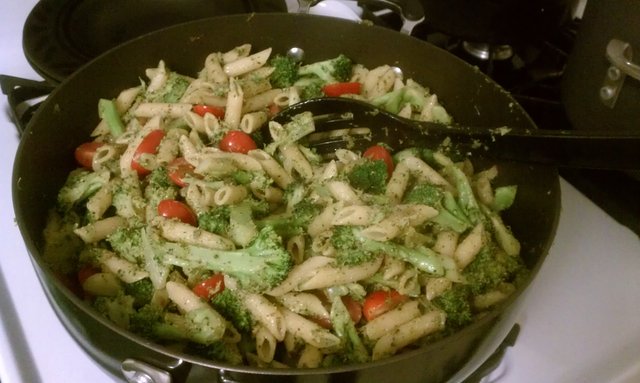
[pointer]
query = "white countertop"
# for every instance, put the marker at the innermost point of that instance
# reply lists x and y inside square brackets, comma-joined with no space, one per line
[580,322]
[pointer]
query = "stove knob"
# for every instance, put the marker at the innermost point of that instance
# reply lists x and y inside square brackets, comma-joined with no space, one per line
[135,371]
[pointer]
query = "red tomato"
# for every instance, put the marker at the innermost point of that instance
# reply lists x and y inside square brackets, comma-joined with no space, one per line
[85,272]
[149,145]
[178,169]
[355,311]
[85,152]
[170,208]
[274,109]
[209,287]
[339,88]
[380,301]
[379,152]
[237,141]
[201,110]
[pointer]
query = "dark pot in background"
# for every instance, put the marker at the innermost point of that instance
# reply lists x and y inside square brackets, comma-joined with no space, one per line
[601,83]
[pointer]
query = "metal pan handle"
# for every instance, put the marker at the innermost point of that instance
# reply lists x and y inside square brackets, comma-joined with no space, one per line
[620,55]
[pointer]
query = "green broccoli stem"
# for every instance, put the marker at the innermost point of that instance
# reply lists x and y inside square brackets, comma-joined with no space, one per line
[259,267]
[109,113]
[422,258]
[354,348]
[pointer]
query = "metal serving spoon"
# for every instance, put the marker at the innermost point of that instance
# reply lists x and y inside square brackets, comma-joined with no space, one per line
[350,123]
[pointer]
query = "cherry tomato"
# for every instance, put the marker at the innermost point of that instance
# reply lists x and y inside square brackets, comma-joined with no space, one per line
[379,152]
[178,170]
[354,308]
[149,145]
[201,110]
[274,109]
[324,322]
[209,287]
[380,301]
[85,272]
[85,152]
[237,141]
[170,208]
[339,88]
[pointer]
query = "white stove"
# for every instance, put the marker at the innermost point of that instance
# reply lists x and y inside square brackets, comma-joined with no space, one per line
[580,320]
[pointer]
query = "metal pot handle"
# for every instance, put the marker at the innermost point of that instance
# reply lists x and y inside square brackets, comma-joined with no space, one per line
[136,371]
[620,55]
[411,11]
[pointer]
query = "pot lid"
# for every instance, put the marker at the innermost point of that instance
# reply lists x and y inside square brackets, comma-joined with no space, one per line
[59,36]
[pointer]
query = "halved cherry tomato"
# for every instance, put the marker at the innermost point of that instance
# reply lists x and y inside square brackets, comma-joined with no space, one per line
[237,141]
[85,152]
[201,110]
[209,287]
[339,88]
[354,308]
[149,145]
[379,152]
[170,208]
[178,170]
[380,301]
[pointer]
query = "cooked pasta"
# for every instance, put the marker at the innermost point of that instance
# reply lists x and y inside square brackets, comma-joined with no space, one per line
[258,252]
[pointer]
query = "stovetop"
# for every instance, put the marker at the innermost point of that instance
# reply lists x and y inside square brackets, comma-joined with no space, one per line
[578,322]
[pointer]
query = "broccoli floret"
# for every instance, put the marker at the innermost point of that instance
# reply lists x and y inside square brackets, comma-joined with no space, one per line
[159,186]
[200,325]
[80,185]
[142,291]
[421,258]
[337,69]
[450,215]
[118,309]
[61,244]
[285,71]
[215,220]
[310,88]
[456,303]
[151,322]
[349,251]
[173,89]
[294,222]
[492,267]
[229,305]
[127,242]
[370,176]
[141,245]
[260,266]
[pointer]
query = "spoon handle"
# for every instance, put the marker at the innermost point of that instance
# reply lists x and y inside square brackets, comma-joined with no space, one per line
[562,148]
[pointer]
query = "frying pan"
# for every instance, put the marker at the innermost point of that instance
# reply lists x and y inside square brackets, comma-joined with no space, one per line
[45,156]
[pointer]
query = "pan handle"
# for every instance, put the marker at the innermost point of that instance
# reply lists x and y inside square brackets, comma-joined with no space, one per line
[411,11]
[24,97]
[620,55]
